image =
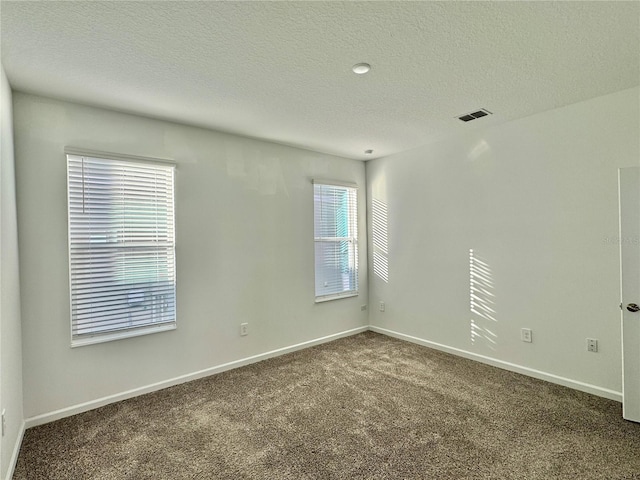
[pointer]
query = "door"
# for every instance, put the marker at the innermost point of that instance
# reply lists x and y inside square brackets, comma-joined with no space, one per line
[629,190]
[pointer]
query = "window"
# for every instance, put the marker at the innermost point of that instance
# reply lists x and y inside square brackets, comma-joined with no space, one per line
[121,248]
[336,240]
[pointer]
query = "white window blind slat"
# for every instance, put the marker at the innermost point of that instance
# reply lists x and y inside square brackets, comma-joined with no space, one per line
[336,240]
[121,247]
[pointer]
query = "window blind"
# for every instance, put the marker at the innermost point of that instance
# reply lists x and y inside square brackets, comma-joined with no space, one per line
[336,241]
[121,247]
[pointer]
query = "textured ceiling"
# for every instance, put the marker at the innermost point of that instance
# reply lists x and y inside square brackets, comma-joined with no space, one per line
[281,71]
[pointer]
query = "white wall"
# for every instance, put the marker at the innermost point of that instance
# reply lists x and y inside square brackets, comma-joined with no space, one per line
[245,253]
[10,336]
[537,201]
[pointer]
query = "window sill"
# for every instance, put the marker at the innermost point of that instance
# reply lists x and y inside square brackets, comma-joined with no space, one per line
[328,298]
[109,337]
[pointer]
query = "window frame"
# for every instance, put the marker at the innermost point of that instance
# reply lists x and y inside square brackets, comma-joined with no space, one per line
[353,225]
[78,340]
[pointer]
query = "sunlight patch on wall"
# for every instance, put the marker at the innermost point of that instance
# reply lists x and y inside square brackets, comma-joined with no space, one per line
[380,240]
[482,302]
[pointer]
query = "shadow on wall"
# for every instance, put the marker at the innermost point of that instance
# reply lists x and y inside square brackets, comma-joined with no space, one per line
[380,240]
[482,302]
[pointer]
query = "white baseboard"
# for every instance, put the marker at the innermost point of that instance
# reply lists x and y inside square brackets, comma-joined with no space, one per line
[16,451]
[549,377]
[84,407]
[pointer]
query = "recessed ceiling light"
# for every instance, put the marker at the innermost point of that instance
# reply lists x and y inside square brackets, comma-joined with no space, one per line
[361,68]
[368,152]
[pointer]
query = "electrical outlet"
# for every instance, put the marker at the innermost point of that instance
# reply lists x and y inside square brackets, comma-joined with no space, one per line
[363,308]
[526,335]
[592,345]
[244,329]
[382,306]
[4,421]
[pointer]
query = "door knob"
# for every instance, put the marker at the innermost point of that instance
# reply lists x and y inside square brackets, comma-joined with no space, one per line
[632,307]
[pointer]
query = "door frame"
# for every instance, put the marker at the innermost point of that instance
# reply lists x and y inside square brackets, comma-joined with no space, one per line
[629,210]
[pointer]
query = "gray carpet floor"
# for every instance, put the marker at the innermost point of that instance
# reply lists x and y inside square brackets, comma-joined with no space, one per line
[363,407]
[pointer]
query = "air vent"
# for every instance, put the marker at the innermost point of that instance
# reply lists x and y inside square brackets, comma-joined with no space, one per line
[467,117]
